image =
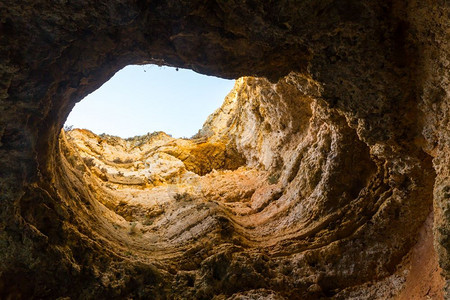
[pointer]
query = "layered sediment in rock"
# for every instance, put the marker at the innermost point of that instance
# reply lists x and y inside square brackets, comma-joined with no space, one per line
[322,182]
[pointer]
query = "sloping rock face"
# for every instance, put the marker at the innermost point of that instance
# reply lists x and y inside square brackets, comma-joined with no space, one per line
[320,181]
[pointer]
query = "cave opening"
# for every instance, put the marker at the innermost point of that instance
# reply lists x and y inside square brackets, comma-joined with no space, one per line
[141,99]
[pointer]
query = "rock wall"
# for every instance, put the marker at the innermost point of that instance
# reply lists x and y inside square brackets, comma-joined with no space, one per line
[338,158]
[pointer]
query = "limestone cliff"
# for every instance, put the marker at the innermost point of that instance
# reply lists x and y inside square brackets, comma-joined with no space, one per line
[324,175]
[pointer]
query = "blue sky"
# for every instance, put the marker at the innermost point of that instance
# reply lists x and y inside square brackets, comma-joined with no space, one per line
[141,99]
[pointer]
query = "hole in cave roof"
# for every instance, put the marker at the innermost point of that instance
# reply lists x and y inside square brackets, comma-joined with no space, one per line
[145,98]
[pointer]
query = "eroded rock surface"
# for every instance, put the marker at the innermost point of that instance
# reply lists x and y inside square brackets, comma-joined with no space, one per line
[320,183]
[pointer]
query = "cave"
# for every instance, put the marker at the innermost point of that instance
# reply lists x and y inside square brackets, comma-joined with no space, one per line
[325,173]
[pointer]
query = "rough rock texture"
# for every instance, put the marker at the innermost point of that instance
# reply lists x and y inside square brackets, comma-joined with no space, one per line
[321,182]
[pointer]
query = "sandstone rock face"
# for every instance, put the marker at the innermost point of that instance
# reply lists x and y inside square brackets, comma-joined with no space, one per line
[326,175]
